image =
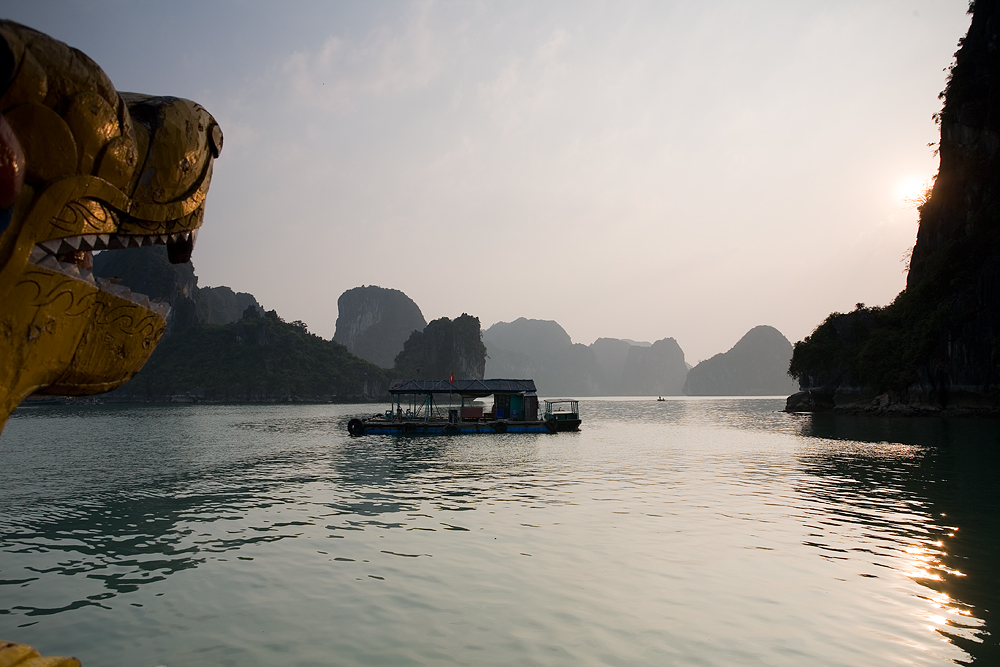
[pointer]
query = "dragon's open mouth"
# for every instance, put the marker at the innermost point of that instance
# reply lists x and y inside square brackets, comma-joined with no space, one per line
[73,257]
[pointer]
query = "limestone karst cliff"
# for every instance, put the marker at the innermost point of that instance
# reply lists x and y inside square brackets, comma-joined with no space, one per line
[443,348]
[756,366]
[374,323]
[611,355]
[658,369]
[149,272]
[937,345]
[221,305]
[543,351]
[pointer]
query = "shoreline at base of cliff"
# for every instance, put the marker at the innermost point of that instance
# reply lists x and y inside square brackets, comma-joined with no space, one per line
[891,405]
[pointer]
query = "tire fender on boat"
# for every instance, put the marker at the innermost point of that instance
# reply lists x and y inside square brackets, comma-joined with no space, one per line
[451,429]
[499,427]
[356,427]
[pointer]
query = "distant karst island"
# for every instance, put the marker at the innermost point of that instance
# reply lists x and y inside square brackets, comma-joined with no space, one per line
[221,345]
[756,366]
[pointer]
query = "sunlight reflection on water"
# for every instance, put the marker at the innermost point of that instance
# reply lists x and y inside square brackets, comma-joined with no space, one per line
[689,531]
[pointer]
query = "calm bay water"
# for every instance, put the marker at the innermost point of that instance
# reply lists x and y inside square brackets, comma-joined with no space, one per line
[687,532]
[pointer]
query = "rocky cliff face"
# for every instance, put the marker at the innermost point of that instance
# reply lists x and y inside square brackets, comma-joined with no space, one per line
[938,344]
[535,338]
[221,305]
[658,369]
[756,366]
[543,351]
[444,347]
[611,355]
[373,323]
[149,272]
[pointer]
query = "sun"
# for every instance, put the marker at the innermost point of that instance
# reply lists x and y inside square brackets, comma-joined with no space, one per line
[912,190]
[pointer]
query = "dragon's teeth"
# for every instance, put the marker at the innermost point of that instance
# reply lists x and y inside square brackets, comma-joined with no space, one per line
[71,244]
[49,262]
[87,242]
[37,255]
[101,241]
[161,306]
[120,290]
[51,246]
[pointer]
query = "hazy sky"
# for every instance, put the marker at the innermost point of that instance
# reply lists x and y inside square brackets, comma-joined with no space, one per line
[628,169]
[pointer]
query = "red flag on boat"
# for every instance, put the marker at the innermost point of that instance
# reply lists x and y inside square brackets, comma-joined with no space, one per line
[452,378]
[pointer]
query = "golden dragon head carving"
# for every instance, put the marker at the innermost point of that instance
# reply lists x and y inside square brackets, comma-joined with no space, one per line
[86,168]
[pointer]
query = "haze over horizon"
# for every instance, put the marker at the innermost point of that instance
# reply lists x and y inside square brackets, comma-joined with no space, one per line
[646,170]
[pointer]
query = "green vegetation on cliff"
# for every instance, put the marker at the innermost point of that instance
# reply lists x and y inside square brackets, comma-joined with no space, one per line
[444,347]
[874,349]
[259,358]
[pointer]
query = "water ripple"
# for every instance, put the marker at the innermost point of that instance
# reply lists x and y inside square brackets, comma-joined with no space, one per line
[695,531]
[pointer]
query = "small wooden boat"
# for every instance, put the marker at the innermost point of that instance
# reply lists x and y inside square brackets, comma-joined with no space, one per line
[564,412]
[418,408]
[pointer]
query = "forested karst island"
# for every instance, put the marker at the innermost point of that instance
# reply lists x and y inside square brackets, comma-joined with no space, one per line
[221,345]
[937,345]
[755,366]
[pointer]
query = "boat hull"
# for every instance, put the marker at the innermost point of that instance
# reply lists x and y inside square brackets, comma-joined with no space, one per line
[386,427]
[567,424]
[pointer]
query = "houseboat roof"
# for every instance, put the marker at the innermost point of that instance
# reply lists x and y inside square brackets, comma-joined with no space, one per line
[463,387]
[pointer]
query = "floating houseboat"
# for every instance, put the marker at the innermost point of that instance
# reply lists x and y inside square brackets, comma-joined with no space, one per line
[440,407]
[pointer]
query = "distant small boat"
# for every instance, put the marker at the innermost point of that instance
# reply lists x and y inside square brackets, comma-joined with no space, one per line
[660,398]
